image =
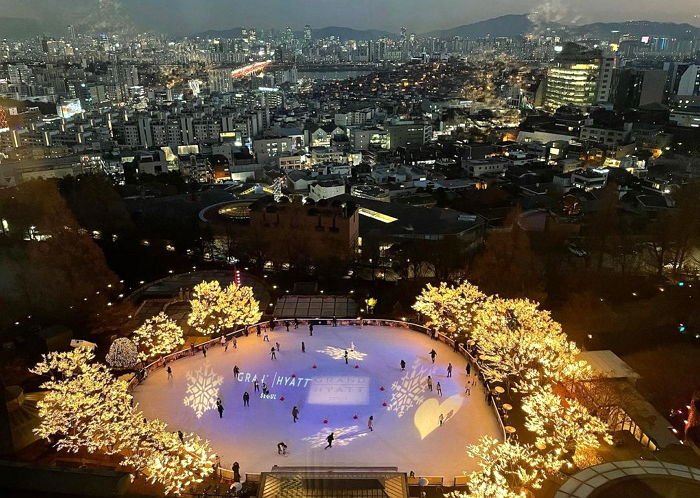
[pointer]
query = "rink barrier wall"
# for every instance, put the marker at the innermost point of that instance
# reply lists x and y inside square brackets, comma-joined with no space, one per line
[252,329]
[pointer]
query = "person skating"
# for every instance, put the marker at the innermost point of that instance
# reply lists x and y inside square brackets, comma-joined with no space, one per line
[296,323]
[295,414]
[264,388]
[236,371]
[266,338]
[181,436]
[170,373]
[430,383]
[272,324]
[403,365]
[257,330]
[220,407]
[204,350]
[438,387]
[256,386]
[335,321]
[311,329]
[468,390]
[272,354]
[236,467]
[225,343]
[222,341]
[281,448]
[246,399]
[432,354]
[469,369]
[449,369]
[235,343]
[330,439]
[303,347]
[286,325]
[346,356]
[370,423]
[441,419]
[192,349]
[277,345]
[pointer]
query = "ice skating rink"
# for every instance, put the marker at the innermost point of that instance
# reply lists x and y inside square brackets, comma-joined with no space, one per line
[331,397]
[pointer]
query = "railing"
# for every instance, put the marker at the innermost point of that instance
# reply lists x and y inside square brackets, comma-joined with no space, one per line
[360,322]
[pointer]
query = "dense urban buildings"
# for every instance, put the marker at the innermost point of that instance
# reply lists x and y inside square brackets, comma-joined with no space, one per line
[232,260]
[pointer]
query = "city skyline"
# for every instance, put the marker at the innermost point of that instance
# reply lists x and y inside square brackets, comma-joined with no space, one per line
[180,17]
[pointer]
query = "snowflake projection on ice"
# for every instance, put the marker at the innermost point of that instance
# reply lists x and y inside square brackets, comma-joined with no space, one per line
[339,353]
[343,436]
[202,390]
[409,391]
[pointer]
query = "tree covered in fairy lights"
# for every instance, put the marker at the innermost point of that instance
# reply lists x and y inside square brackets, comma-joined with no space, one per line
[450,309]
[215,308]
[86,408]
[123,353]
[157,336]
[521,346]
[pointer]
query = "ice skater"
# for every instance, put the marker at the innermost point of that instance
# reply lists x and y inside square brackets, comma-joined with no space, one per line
[277,344]
[295,414]
[222,341]
[246,399]
[432,354]
[346,356]
[469,369]
[330,439]
[225,343]
[370,423]
[272,354]
[430,383]
[303,347]
[311,329]
[281,448]
[220,407]
[264,388]
[468,391]
[235,343]
[257,331]
[272,324]
[403,365]
[236,371]
[181,436]
[296,323]
[256,386]
[204,350]
[441,419]
[334,321]
[449,369]
[266,338]
[286,325]
[438,387]
[170,373]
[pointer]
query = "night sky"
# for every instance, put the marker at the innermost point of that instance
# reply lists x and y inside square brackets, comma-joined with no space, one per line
[188,16]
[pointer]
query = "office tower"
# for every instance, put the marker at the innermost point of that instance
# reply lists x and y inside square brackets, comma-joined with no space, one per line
[578,77]
[307,34]
[689,83]
[637,87]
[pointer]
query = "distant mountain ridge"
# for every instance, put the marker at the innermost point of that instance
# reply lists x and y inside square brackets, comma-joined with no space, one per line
[503,26]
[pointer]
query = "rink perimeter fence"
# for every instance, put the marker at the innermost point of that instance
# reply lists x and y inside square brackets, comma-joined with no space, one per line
[357,322]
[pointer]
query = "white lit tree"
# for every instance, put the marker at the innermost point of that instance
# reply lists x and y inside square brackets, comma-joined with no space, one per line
[449,308]
[123,353]
[519,342]
[563,425]
[85,407]
[506,469]
[215,309]
[158,335]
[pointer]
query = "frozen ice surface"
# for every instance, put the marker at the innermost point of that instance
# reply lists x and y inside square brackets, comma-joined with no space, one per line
[333,397]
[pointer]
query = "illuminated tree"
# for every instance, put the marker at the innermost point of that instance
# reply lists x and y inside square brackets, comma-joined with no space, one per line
[215,309]
[562,425]
[507,468]
[85,407]
[158,335]
[123,353]
[518,341]
[449,308]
